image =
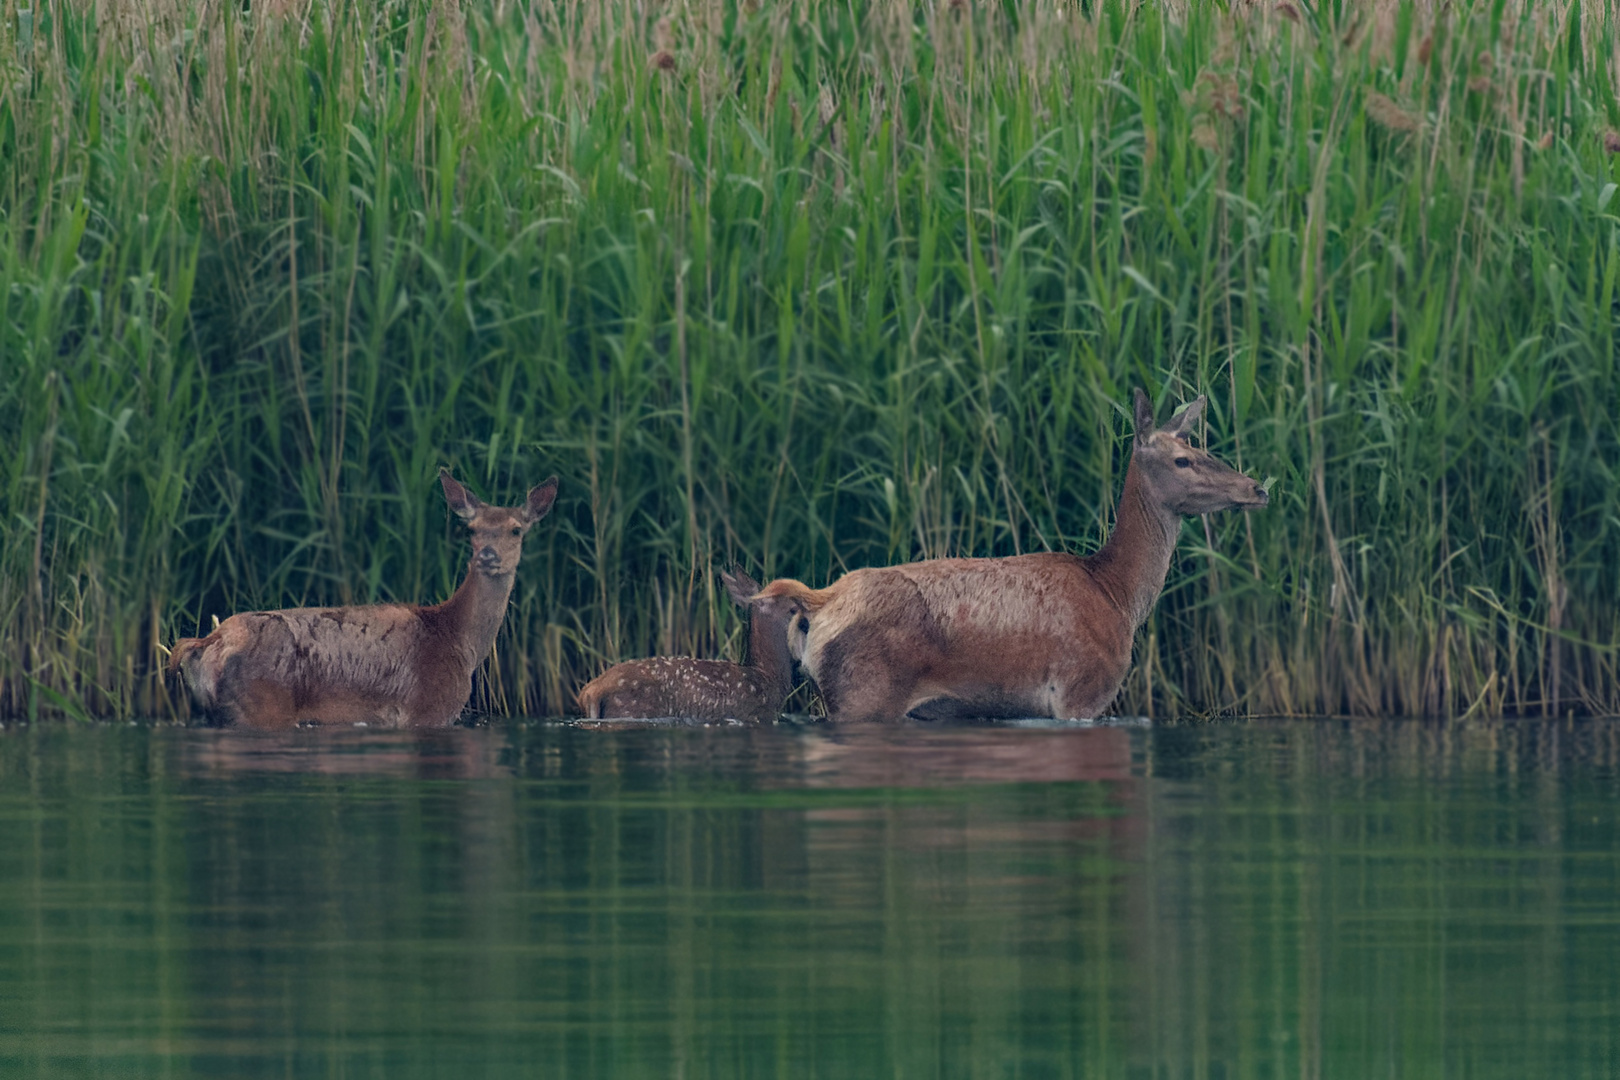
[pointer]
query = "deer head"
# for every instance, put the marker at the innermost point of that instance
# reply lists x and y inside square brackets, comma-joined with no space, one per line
[497,531]
[779,614]
[744,592]
[1182,477]
[741,587]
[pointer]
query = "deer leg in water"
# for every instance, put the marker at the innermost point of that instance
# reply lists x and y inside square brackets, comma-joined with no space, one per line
[871,701]
[261,704]
[1085,698]
[865,689]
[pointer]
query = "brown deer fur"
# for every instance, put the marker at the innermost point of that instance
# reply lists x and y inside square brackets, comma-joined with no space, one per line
[396,665]
[706,689]
[1031,635]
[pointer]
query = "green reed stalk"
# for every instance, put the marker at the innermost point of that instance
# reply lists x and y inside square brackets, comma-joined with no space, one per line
[811,287]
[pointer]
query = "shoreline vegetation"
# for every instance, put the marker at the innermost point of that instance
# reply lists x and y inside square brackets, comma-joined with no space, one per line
[812,286]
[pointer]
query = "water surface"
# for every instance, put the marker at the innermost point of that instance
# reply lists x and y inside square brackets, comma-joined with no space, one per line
[1301,899]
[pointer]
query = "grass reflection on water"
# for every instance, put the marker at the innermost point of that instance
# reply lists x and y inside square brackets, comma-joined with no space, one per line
[1266,899]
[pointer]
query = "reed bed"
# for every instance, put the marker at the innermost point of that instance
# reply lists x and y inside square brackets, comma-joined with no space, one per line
[811,286]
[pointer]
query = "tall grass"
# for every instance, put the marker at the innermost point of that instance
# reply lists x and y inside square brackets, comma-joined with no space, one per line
[813,286]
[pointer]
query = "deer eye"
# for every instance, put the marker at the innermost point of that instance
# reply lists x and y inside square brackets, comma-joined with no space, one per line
[517,530]
[1183,463]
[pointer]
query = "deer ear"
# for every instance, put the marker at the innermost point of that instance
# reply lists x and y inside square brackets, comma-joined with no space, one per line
[1181,423]
[741,587]
[541,496]
[1144,415]
[462,504]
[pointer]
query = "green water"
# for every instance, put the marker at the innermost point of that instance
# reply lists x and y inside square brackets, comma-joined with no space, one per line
[1390,899]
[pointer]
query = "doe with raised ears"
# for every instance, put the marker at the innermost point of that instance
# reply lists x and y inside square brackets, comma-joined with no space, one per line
[707,689]
[395,665]
[1031,635]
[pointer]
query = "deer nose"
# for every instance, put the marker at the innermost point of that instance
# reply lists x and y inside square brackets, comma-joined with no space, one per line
[488,558]
[1261,496]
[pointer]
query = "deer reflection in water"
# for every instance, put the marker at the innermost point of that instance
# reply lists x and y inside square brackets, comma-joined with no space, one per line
[817,756]
[437,754]
[912,788]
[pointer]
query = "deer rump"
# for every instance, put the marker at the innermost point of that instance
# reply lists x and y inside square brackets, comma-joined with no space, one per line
[1029,635]
[331,665]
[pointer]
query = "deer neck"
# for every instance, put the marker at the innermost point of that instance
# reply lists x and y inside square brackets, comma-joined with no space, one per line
[768,654]
[1132,565]
[473,615]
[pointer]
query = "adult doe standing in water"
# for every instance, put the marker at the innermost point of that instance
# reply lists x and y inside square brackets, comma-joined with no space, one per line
[706,689]
[398,665]
[1031,635]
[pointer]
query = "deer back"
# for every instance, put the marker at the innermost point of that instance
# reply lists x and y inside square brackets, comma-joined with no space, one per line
[968,621]
[680,686]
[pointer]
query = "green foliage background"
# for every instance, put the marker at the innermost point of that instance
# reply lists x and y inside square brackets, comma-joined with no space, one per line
[813,286]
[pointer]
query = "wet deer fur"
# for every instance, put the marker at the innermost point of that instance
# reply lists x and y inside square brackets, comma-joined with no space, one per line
[707,689]
[1031,635]
[395,665]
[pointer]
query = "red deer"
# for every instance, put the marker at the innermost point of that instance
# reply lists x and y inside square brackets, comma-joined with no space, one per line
[1031,635]
[706,689]
[395,665]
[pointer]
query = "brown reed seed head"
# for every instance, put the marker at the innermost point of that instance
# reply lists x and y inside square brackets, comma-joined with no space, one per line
[1288,11]
[1222,93]
[1545,142]
[1204,135]
[663,60]
[1390,115]
[1425,48]
[1611,141]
